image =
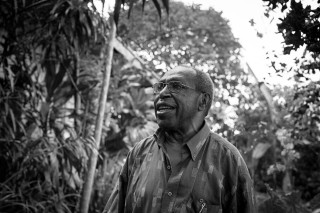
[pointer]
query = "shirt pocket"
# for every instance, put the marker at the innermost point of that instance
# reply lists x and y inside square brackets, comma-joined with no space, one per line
[201,206]
[212,209]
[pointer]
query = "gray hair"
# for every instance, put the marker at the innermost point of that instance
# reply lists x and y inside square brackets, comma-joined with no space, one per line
[204,84]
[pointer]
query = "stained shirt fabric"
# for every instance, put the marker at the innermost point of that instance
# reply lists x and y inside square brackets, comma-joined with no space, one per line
[207,175]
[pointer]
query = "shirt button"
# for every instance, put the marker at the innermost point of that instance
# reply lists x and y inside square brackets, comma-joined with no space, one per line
[168,167]
[170,194]
[201,200]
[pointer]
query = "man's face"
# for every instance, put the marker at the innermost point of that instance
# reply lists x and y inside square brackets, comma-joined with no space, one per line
[177,110]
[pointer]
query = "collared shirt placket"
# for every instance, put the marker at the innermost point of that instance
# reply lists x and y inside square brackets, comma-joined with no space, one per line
[169,201]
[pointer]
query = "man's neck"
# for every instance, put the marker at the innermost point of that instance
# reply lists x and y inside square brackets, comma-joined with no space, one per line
[180,136]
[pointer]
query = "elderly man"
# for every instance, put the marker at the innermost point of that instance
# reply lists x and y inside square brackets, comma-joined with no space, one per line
[183,167]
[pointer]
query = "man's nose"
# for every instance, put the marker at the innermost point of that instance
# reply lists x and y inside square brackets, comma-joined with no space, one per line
[165,92]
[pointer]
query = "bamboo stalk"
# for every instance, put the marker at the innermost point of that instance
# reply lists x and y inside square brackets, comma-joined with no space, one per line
[87,188]
[77,96]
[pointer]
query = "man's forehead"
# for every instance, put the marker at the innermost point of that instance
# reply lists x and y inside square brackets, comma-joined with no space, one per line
[180,72]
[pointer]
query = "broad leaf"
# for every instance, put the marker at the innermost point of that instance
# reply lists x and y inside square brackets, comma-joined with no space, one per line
[260,150]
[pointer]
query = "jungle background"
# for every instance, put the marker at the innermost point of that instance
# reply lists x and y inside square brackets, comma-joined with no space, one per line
[75,98]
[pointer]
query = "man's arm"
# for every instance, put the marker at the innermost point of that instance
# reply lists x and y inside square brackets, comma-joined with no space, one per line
[116,202]
[245,195]
[244,199]
[239,197]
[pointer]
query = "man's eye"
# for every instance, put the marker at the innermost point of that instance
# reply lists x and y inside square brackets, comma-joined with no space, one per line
[161,86]
[176,85]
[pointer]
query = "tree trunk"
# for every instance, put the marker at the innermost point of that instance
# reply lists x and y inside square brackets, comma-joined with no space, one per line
[77,96]
[87,188]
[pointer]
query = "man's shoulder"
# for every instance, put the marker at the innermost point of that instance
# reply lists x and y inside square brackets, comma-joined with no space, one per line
[144,144]
[230,153]
[225,144]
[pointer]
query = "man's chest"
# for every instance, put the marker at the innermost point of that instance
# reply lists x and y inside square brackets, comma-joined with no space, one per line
[160,182]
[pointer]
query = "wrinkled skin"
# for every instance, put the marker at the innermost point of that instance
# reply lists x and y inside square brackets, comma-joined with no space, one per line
[180,114]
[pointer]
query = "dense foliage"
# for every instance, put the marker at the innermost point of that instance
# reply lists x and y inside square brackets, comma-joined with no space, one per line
[299,27]
[131,98]
[51,70]
[42,154]
[299,127]
[51,66]
[189,35]
[305,119]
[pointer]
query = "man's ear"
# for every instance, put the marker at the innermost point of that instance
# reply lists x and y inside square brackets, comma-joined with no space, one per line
[204,100]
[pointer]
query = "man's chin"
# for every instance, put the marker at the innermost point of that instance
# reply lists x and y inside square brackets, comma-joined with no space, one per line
[165,124]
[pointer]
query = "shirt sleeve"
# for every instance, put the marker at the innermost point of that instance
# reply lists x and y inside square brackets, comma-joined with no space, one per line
[116,202]
[243,199]
[245,195]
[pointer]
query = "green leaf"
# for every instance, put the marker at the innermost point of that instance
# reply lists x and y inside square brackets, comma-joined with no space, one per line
[63,94]
[315,203]
[13,120]
[91,27]
[117,9]
[130,7]
[156,3]
[143,3]
[11,78]
[166,5]
[34,132]
[57,79]
[56,7]
[287,50]
[260,150]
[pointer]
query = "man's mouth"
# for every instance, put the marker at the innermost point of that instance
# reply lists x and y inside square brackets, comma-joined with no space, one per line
[164,108]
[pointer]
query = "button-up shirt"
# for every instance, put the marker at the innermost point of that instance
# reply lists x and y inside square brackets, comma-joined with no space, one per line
[211,176]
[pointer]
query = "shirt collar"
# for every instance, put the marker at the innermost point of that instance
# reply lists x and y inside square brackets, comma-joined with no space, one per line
[194,144]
